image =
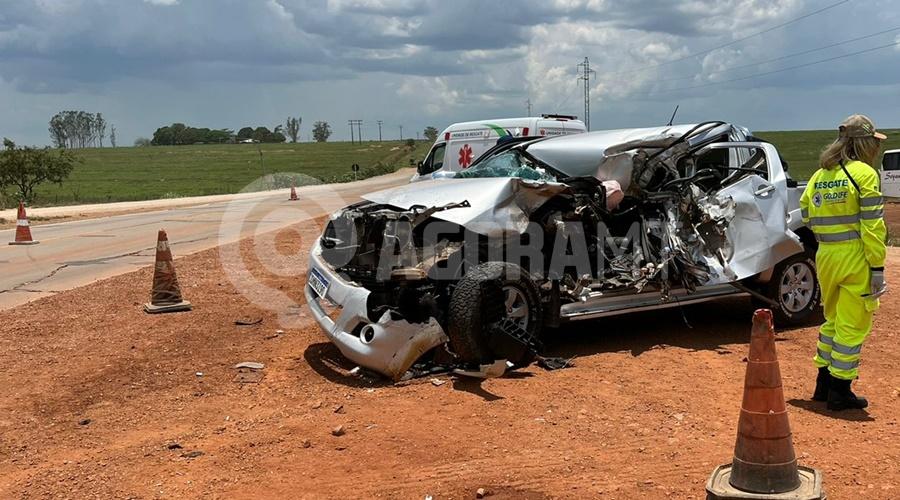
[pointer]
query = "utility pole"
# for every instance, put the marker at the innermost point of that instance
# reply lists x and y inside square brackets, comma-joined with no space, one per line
[379,130]
[351,131]
[401,132]
[358,124]
[586,76]
[528,104]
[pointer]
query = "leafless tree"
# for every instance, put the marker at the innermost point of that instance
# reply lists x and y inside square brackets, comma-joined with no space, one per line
[292,127]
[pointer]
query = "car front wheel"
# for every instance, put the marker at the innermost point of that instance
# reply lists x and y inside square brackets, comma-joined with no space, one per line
[489,293]
[795,289]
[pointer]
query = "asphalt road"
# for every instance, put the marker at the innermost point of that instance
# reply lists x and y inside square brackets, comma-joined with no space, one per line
[73,254]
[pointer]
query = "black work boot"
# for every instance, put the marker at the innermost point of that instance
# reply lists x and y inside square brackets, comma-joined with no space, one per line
[840,397]
[823,382]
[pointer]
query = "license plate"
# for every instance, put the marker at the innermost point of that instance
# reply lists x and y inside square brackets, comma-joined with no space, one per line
[318,282]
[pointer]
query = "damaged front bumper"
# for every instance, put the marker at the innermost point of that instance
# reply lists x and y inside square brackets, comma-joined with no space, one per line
[388,346]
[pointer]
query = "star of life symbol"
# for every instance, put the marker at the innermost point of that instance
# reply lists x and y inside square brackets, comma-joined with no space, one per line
[817,199]
[465,156]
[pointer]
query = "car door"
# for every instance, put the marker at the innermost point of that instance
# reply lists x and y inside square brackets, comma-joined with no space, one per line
[757,238]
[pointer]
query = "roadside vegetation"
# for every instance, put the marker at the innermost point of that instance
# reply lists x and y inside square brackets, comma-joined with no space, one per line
[142,173]
[23,169]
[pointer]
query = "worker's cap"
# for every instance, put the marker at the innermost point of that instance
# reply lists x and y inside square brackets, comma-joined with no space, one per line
[859,126]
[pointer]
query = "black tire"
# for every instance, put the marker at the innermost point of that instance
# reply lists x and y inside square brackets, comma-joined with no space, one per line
[802,305]
[478,301]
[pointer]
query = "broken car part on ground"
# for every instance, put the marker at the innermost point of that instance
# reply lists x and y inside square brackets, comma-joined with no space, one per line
[471,270]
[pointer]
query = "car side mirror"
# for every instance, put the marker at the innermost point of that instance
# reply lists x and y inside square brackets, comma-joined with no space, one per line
[420,167]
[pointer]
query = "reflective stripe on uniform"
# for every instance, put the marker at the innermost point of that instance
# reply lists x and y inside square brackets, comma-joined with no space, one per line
[835,237]
[844,365]
[834,219]
[804,213]
[873,201]
[826,340]
[843,349]
[872,214]
[824,354]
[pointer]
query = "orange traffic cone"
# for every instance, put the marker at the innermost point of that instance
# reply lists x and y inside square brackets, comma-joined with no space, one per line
[166,295]
[23,231]
[293,193]
[764,464]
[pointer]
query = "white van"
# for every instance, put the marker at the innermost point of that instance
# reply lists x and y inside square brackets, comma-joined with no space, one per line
[890,173]
[460,144]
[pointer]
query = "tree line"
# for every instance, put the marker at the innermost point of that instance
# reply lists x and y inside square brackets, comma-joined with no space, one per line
[181,134]
[81,129]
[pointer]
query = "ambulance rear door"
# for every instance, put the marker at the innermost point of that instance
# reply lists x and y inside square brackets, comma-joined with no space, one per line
[890,173]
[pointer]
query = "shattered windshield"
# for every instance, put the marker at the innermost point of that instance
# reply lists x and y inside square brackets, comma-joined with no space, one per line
[511,163]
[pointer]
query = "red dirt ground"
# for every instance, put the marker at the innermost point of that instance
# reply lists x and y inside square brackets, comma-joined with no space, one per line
[94,392]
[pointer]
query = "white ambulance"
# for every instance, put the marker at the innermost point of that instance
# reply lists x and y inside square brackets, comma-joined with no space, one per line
[460,144]
[890,173]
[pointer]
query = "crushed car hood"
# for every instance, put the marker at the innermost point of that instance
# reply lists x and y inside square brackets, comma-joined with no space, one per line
[498,205]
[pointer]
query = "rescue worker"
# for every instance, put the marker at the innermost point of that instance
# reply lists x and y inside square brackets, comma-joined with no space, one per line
[843,206]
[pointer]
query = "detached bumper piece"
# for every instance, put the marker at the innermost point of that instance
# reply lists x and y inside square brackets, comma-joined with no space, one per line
[509,341]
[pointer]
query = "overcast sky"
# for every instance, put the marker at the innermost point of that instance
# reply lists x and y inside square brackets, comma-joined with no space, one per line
[232,63]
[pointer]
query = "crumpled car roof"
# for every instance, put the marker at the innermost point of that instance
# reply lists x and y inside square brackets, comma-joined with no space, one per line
[581,154]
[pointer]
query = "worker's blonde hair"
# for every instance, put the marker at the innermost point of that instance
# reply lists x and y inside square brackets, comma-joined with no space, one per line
[864,149]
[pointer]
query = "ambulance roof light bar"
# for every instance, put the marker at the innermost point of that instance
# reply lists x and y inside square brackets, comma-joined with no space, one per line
[559,117]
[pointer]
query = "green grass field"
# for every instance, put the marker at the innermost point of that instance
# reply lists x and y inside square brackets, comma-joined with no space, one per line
[801,148]
[126,174]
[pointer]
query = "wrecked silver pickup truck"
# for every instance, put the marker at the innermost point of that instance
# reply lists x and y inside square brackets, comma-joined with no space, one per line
[471,270]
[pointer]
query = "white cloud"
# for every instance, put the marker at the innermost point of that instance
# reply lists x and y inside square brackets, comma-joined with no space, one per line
[435,95]
[412,62]
[614,53]
[716,62]
[279,10]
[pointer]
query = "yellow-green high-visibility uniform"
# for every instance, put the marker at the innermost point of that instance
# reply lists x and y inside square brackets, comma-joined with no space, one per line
[849,225]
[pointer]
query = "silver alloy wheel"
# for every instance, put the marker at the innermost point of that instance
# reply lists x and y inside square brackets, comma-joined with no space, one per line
[516,305]
[797,286]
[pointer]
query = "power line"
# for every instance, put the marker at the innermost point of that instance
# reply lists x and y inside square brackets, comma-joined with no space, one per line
[735,41]
[569,96]
[788,56]
[782,70]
